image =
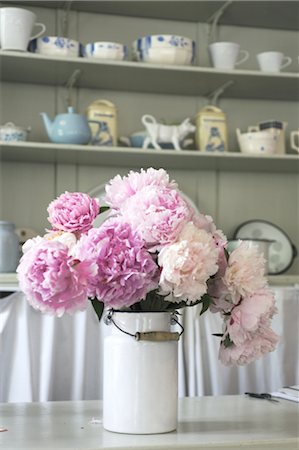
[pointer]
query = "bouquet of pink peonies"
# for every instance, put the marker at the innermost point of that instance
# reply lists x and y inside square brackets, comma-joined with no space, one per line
[153,253]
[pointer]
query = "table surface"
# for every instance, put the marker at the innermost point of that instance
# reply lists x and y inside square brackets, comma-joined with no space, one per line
[225,422]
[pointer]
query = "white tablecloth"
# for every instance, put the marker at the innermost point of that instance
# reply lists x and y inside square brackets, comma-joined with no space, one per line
[43,358]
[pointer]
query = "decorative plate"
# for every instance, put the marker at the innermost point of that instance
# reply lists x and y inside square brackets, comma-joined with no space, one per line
[281,252]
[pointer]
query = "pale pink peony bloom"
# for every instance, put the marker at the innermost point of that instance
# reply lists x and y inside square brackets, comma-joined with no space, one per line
[126,272]
[73,212]
[120,188]
[158,213]
[31,243]
[187,264]
[68,239]
[206,223]
[222,299]
[254,312]
[245,273]
[261,343]
[52,280]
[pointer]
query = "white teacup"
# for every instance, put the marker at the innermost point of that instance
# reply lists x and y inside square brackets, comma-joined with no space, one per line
[224,55]
[294,144]
[273,61]
[16,25]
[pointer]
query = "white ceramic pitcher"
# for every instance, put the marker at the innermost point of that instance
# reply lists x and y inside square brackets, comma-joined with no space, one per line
[16,25]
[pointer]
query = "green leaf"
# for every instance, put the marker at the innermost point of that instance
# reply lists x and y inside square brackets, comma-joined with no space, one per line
[98,307]
[103,209]
[153,302]
[207,301]
[227,342]
[226,254]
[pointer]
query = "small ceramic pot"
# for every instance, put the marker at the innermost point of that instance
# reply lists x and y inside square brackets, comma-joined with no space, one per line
[12,133]
[257,142]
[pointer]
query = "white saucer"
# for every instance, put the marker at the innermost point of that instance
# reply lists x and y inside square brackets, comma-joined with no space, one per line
[281,252]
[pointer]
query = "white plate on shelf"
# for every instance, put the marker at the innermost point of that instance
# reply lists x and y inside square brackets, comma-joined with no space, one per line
[99,192]
[281,252]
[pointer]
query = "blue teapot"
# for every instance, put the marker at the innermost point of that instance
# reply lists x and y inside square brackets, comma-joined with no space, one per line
[69,128]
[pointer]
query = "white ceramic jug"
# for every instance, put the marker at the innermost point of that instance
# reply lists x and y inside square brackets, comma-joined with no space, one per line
[16,25]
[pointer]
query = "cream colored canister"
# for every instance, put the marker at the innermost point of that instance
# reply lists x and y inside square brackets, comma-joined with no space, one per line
[211,130]
[105,113]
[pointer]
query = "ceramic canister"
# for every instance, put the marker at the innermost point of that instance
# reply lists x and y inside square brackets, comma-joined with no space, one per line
[276,128]
[211,130]
[9,247]
[140,376]
[105,113]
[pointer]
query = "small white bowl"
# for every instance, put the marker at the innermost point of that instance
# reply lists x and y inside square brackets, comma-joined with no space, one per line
[105,50]
[163,41]
[55,46]
[167,56]
[257,142]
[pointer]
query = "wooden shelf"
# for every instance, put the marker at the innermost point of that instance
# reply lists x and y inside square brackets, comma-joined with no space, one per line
[39,152]
[150,78]
[265,14]
[9,282]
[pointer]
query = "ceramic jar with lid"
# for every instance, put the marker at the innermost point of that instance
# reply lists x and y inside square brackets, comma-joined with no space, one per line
[105,113]
[12,133]
[276,128]
[211,130]
[9,247]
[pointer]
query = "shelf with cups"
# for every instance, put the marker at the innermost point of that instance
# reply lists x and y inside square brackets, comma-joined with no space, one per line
[41,152]
[148,78]
[9,281]
[280,15]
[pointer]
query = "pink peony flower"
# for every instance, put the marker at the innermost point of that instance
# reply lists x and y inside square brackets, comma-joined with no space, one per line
[222,299]
[73,212]
[52,280]
[245,273]
[187,264]
[154,242]
[261,343]
[120,189]
[126,272]
[254,312]
[158,213]
[206,223]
